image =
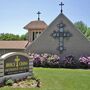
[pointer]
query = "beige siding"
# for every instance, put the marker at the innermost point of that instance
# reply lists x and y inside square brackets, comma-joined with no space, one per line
[4,51]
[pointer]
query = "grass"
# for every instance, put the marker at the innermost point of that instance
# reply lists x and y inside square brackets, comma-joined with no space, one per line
[60,79]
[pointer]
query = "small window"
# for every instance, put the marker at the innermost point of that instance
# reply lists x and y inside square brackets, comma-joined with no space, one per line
[33,35]
[39,32]
[61,29]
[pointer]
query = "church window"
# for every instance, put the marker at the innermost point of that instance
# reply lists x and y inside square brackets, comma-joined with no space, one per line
[60,34]
[39,32]
[33,36]
[61,29]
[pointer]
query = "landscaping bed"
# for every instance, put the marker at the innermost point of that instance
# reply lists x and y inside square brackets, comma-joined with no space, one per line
[28,82]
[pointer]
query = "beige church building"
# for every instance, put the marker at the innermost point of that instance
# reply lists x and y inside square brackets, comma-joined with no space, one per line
[61,37]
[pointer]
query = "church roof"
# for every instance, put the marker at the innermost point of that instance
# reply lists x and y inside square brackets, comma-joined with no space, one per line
[13,44]
[36,25]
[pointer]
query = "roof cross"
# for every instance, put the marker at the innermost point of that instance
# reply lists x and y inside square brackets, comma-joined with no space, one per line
[61,6]
[38,15]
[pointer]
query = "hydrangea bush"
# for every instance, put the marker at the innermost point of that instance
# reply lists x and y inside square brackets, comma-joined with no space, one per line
[69,62]
[55,61]
[45,60]
[84,61]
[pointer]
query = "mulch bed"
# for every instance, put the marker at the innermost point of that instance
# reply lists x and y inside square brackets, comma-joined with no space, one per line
[26,83]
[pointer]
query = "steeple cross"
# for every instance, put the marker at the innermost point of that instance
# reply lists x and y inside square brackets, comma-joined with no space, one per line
[17,59]
[38,15]
[60,34]
[61,6]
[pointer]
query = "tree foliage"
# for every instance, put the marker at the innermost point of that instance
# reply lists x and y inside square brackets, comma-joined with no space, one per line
[87,34]
[83,28]
[9,36]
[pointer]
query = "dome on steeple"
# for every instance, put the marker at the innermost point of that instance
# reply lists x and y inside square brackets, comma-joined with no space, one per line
[36,25]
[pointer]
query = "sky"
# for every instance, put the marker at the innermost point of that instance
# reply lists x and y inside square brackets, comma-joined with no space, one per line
[15,14]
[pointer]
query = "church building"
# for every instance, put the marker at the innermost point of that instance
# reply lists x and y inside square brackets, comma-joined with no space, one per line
[61,37]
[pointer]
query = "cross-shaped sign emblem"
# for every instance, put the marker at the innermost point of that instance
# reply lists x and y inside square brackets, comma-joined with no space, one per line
[61,34]
[17,59]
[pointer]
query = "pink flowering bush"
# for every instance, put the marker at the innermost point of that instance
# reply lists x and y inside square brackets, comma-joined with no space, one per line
[55,61]
[84,61]
[36,60]
[46,60]
[69,62]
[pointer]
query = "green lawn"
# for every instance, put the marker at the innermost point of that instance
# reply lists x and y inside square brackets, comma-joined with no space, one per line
[61,79]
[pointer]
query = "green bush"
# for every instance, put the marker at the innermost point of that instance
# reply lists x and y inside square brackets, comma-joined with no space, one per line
[9,82]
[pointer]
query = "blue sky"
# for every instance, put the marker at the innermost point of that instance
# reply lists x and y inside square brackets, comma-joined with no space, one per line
[15,14]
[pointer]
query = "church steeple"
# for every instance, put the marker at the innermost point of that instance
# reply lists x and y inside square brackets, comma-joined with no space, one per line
[61,4]
[35,28]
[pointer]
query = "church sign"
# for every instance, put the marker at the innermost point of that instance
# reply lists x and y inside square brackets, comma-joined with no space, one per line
[16,65]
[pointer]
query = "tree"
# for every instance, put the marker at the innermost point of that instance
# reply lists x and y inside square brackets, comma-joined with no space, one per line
[87,34]
[24,36]
[9,36]
[81,26]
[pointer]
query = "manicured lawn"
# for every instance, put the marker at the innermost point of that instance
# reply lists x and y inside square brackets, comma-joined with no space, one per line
[61,79]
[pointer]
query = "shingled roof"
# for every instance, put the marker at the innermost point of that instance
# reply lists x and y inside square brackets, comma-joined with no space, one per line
[36,25]
[13,44]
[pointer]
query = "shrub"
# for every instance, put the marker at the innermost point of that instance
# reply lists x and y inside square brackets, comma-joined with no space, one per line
[9,82]
[69,62]
[50,61]
[54,61]
[37,61]
[84,62]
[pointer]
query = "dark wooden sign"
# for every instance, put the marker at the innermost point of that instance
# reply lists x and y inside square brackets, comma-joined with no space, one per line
[16,64]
